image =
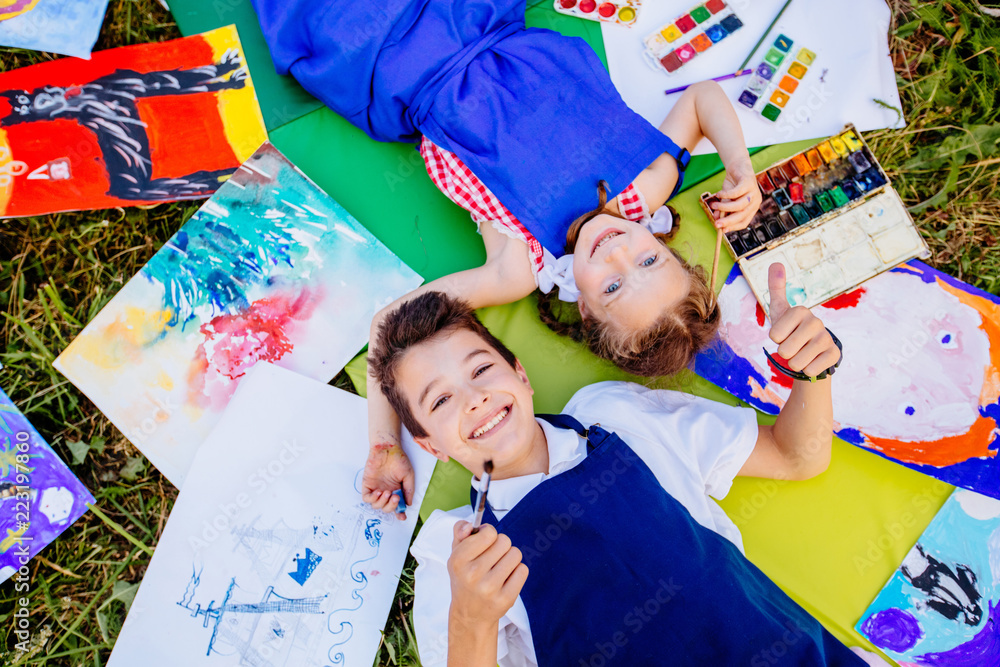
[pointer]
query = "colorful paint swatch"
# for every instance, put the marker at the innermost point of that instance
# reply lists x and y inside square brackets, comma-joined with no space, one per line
[764,181]
[748,99]
[686,24]
[798,70]
[780,98]
[788,84]
[815,161]
[269,269]
[802,164]
[701,42]
[69,27]
[757,85]
[826,150]
[774,57]
[671,62]
[839,147]
[942,606]
[703,25]
[806,57]
[765,71]
[770,112]
[39,495]
[671,33]
[78,134]
[789,170]
[700,14]
[622,12]
[782,43]
[851,141]
[796,192]
[686,52]
[731,23]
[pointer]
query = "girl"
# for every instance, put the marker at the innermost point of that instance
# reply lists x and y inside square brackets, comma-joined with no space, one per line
[523,127]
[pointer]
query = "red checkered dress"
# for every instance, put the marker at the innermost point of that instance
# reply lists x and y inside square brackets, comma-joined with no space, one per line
[461,186]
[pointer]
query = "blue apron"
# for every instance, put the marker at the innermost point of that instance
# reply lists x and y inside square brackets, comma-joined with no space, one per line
[533,113]
[619,573]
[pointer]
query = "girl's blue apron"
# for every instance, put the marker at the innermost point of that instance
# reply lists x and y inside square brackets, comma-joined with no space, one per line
[533,113]
[619,573]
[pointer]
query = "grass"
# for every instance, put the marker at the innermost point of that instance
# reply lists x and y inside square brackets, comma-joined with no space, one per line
[62,269]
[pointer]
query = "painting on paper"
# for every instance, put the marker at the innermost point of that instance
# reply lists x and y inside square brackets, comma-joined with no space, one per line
[270,557]
[69,27]
[39,496]
[920,380]
[270,268]
[942,607]
[135,125]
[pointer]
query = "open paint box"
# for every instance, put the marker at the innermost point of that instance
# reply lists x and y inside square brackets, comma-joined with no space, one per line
[831,217]
[623,12]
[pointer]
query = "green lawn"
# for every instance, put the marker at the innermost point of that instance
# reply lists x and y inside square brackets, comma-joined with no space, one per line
[62,269]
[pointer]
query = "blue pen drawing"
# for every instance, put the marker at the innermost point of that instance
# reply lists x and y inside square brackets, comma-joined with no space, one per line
[305,566]
[236,626]
[373,535]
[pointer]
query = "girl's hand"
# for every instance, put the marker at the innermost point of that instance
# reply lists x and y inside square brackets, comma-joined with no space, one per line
[801,337]
[740,198]
[386,469]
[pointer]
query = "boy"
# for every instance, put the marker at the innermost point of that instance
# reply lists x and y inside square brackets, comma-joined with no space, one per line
[600,546]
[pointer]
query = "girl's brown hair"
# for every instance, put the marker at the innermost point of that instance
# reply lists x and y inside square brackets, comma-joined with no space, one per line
[662,349]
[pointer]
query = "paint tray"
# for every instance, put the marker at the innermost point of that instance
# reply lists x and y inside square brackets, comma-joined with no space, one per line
[675,44]
[830,215]
[622,12]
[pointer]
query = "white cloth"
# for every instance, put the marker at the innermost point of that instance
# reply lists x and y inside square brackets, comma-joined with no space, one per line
[558,271]
[694,447]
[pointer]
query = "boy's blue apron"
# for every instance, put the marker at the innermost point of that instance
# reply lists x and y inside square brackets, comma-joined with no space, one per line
[533,113]
[619,573]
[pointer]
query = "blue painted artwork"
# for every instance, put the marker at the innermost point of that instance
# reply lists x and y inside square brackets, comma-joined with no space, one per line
[305,566]
[920,379]
[270,269]
[69,27]
[39,495]
[942,607]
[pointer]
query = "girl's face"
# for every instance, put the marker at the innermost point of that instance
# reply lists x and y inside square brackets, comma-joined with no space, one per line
[625,274]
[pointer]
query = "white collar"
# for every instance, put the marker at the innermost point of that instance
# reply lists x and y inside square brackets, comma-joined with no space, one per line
[566,450]
[558,271]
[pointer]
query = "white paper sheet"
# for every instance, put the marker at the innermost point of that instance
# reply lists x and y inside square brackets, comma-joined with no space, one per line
[270,557]
[853,68]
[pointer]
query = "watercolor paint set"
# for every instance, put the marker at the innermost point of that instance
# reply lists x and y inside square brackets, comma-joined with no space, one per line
[678,42]
[777,77]
[830,215]
[624,13]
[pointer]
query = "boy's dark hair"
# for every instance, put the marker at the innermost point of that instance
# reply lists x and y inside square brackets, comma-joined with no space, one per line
[415,321]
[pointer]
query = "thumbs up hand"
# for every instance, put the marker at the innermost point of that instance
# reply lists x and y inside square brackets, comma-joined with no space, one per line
[801,337]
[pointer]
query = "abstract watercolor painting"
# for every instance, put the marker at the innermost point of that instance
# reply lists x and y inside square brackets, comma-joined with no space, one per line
[135,125]
[39,496]
[942,607]
[69,27]
[270,557]
[920,380]
[269,269]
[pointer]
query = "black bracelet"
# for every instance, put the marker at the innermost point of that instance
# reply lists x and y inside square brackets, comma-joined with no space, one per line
[799,375]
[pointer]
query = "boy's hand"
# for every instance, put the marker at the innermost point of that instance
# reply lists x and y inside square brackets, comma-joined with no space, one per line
[801,337]
[386,469]
[740,197]
[486,576]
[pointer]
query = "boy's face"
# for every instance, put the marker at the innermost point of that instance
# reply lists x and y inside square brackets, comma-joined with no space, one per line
[472,404]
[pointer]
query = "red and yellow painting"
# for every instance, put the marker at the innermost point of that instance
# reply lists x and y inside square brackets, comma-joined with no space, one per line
[135,125]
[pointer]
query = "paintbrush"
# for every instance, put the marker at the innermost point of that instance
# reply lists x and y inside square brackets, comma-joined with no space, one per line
[484,486]
[764,36]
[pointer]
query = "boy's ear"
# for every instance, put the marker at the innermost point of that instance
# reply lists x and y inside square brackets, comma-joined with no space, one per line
[426,445]
[523,374]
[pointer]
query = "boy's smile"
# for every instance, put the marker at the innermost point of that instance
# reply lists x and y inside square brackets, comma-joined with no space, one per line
[473,405]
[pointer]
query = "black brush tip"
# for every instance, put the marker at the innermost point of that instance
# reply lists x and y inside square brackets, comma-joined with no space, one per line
[488,467]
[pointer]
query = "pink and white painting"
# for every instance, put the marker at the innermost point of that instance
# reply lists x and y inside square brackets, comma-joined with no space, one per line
[920,380]
[269,269]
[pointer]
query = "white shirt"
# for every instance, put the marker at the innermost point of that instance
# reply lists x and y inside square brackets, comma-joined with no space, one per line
[694,447]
